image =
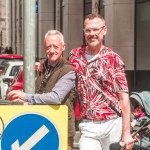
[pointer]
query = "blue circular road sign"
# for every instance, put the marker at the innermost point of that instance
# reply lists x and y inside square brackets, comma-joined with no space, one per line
[30,132]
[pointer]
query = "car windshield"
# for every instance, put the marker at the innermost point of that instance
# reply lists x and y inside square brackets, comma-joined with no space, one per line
[13,71]
[17,75]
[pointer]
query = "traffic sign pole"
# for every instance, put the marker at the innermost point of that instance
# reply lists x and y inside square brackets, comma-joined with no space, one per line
[29,46]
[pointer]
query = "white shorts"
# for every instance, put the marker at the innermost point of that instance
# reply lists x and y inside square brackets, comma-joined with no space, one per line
[98,135]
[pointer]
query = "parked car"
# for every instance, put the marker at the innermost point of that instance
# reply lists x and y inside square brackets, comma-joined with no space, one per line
[8,72]
[18,82]
[4,58]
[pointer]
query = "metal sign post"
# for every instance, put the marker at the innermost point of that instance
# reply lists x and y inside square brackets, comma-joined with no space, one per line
[29,46]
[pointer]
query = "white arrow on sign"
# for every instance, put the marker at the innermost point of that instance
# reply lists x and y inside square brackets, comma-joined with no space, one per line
[33,140]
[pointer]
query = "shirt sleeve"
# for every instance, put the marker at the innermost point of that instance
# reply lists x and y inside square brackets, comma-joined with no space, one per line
[57,94]
[120,77]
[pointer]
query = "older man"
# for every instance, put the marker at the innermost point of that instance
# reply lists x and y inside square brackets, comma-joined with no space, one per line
[56,83]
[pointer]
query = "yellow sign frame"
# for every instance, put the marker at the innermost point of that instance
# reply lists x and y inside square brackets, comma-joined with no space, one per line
[57,114]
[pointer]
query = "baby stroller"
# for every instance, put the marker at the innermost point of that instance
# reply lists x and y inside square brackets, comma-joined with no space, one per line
[140,108]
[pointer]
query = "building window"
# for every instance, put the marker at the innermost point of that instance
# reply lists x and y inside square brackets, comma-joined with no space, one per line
[101,7]
[142,45]
[87,7]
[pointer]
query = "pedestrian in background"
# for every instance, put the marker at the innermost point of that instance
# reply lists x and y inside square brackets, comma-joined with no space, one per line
[102,89]
[6,50]
[10,51]
[56,83]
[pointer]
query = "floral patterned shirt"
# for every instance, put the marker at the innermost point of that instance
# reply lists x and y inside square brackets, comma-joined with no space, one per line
[99,82]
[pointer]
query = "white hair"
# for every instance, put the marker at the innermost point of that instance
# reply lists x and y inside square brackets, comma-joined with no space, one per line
[54,32]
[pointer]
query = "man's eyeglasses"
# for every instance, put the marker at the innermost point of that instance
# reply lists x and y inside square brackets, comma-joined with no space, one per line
[95,30]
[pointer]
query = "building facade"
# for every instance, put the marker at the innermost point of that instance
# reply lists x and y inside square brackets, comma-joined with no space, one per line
[127,21]
[2,23]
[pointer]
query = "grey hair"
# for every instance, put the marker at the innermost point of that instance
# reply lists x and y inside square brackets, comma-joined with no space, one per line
[54,32]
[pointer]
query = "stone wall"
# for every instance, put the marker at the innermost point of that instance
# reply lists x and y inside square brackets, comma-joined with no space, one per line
[3,22]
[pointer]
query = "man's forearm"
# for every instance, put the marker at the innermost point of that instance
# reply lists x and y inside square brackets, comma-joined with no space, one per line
[125,107]
[57,94]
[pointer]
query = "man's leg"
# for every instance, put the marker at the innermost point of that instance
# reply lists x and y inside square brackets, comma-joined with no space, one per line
[98,135]
[70,143]
[113,133]
[89,136]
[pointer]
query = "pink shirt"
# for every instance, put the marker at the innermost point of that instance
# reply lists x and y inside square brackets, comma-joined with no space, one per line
[99,82]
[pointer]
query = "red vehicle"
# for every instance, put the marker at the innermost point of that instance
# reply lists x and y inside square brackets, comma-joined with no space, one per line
[11,56]
[17,82]
[4,58]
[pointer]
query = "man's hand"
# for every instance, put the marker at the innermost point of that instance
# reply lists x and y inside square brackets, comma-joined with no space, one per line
[129,141]
[16,96]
